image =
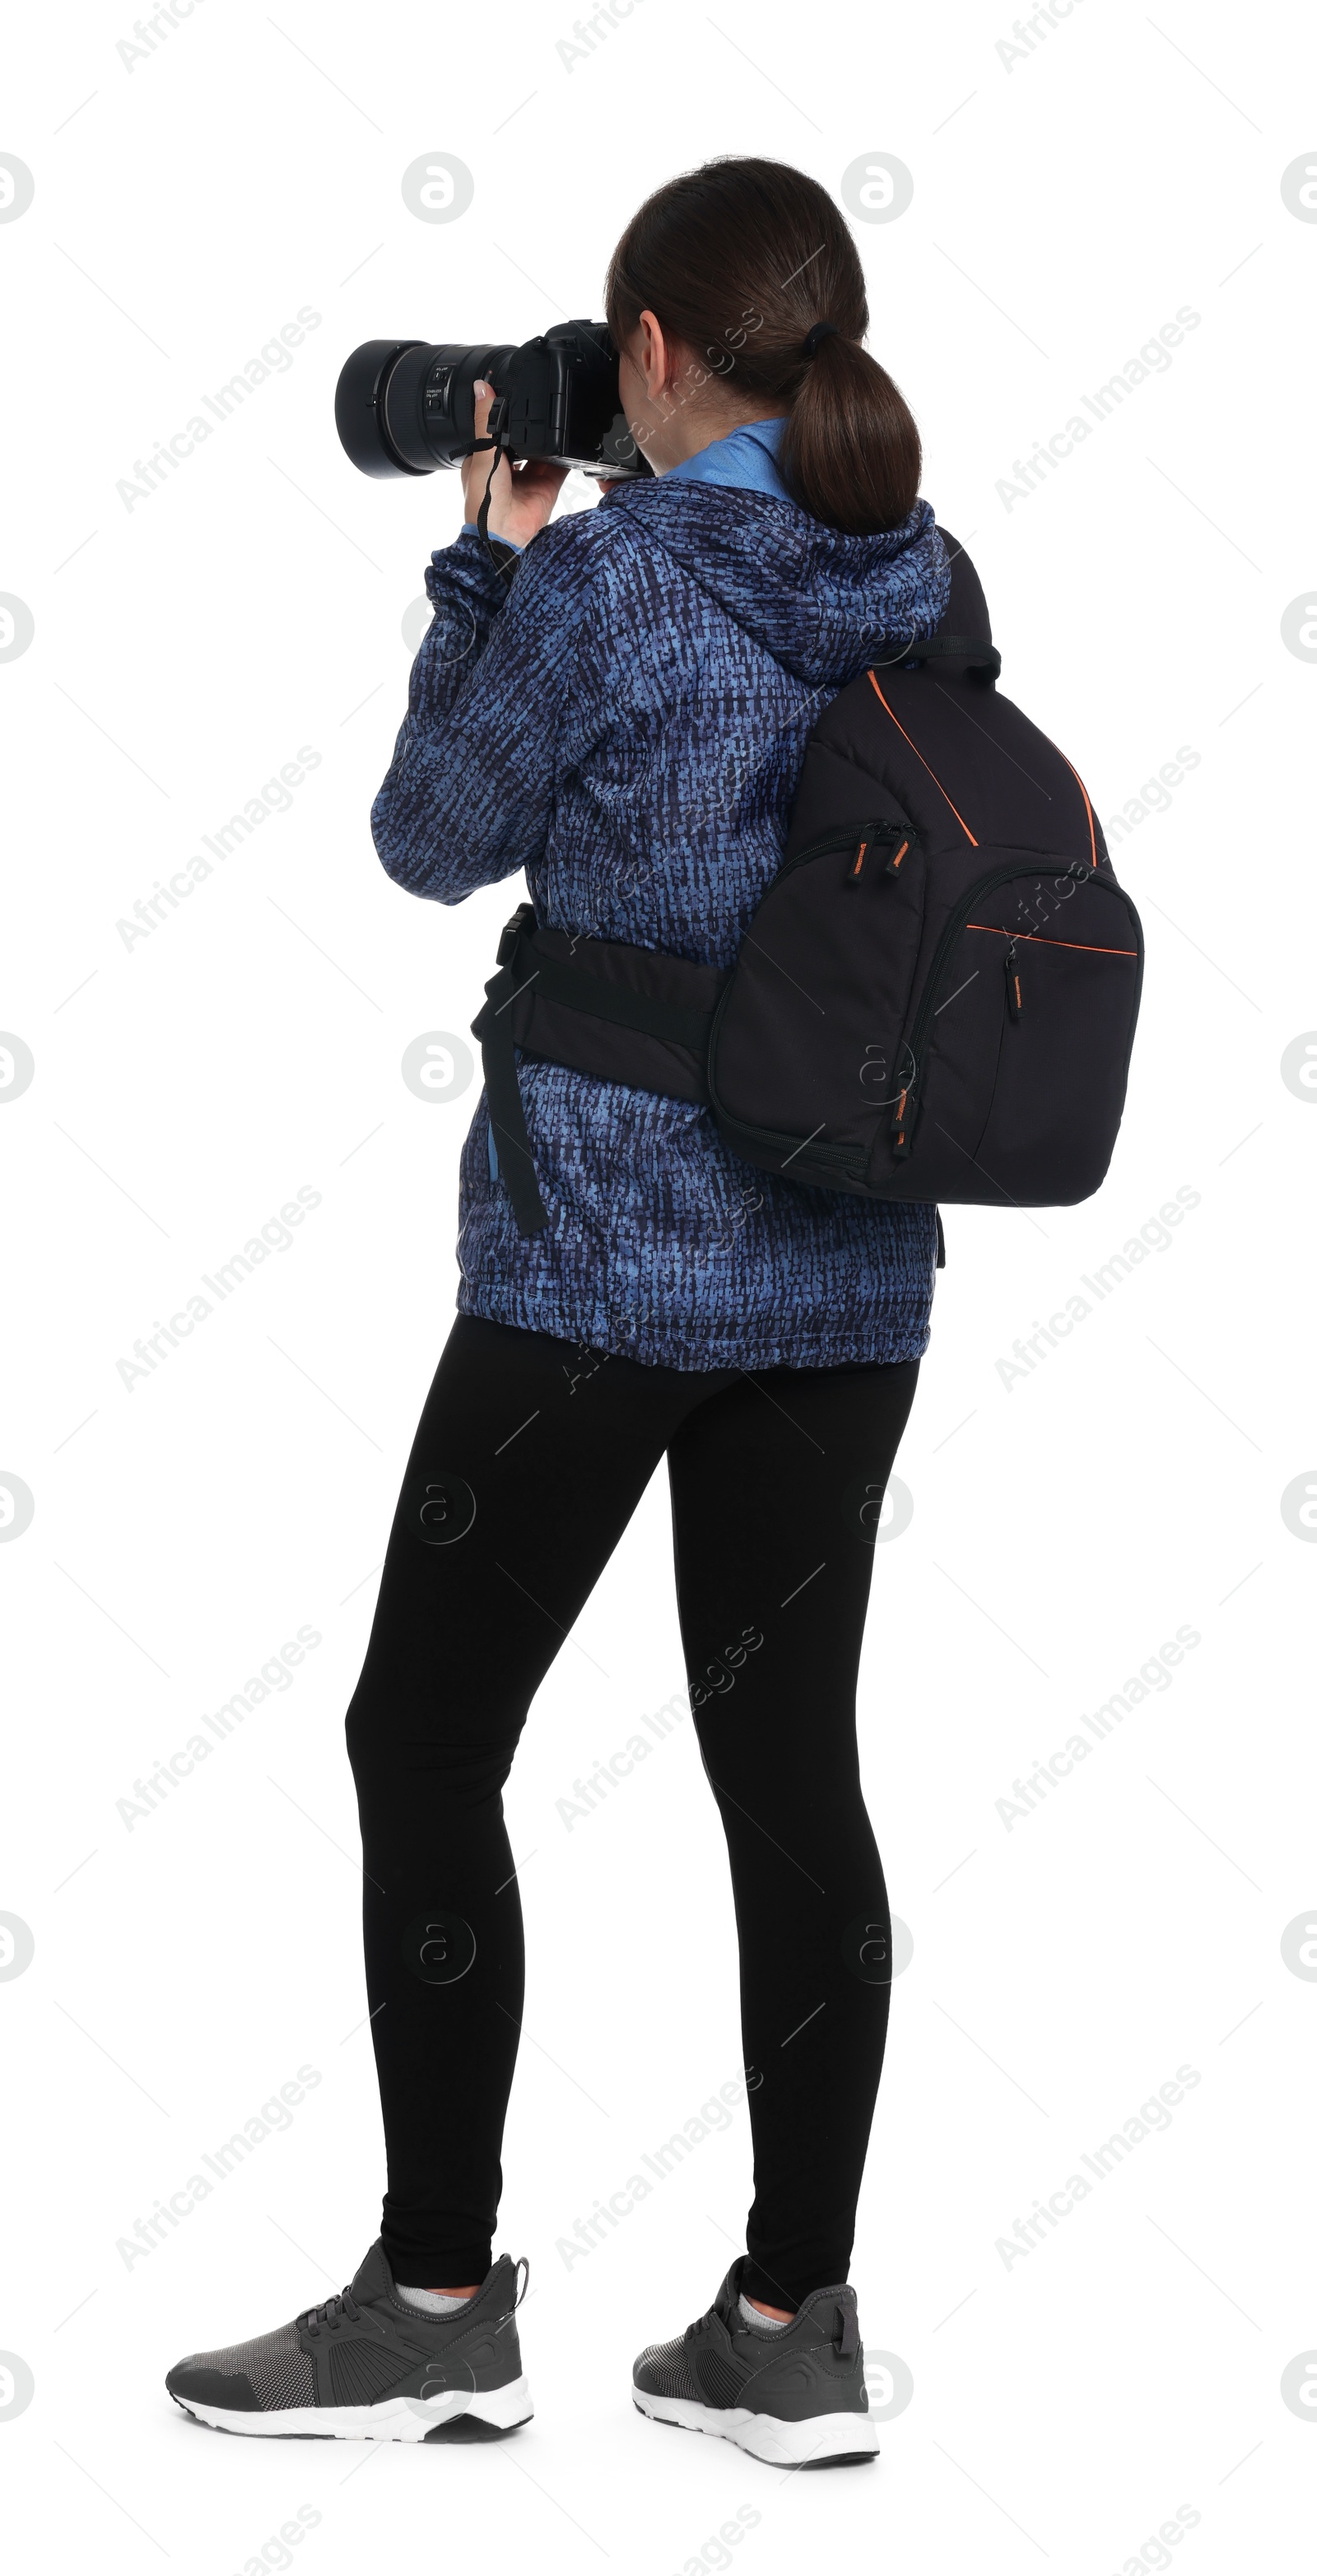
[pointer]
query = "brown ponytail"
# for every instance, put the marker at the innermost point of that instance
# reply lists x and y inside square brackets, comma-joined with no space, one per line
[740,260]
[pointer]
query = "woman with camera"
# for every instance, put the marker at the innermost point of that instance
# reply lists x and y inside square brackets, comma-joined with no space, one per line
[617,703]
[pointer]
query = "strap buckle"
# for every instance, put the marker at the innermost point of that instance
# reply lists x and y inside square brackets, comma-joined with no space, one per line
[520,926]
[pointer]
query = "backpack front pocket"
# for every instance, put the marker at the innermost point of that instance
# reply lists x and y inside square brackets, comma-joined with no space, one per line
[807,1041]
[1018,1050]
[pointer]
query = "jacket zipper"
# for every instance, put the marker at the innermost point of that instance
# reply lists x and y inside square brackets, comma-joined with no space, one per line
[903,1116]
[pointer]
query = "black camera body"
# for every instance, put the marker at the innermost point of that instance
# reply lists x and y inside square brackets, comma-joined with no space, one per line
[408,406]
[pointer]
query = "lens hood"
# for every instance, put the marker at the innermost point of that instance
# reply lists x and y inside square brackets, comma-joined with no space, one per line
[359,408]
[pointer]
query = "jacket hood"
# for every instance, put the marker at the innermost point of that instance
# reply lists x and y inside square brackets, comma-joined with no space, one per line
[824,604]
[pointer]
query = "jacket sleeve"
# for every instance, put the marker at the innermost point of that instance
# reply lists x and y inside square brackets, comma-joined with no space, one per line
[469,796]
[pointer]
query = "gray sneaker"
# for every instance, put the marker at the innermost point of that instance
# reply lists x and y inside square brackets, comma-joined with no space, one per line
[365,2366]
[796,2398]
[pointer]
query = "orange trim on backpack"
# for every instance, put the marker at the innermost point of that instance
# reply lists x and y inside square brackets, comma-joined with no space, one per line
[924,764]
[1092,836]
[1036,940]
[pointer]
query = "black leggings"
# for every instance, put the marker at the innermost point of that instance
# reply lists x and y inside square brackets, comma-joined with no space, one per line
[529,1459]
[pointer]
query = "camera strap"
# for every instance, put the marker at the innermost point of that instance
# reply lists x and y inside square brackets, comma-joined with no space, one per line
[503,558]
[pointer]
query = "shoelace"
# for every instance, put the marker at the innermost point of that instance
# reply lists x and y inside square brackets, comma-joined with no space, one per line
[330,2312]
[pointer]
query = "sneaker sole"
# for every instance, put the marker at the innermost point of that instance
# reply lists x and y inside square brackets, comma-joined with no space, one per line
[457,2416]
[819,2442]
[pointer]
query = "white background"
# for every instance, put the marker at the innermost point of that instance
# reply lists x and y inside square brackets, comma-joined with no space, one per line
[1065,206]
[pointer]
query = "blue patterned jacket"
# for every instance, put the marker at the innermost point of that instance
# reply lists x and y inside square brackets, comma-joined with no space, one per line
[626,721]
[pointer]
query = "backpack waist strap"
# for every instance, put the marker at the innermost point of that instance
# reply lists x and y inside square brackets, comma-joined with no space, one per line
[623,1014]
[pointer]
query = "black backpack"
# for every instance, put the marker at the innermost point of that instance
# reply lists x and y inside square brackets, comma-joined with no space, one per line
[937,996]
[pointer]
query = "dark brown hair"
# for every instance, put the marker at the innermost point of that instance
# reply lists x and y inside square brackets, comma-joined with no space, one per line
[739,260]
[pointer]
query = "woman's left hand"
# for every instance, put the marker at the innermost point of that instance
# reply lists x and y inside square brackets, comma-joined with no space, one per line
[522,497]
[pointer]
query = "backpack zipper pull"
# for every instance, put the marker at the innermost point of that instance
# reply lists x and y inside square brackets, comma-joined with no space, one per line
[901,840]
[901,1124]
[1014,997]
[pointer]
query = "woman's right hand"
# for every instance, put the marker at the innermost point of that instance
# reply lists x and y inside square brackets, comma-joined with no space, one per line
[522,496]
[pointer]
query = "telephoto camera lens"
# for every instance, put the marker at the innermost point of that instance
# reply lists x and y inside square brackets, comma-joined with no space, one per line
[408,406]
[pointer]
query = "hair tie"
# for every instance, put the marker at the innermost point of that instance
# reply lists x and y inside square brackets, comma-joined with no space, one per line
[821,331]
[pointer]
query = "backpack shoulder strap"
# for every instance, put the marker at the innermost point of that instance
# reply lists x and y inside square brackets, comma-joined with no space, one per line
[955,648]
[965,633]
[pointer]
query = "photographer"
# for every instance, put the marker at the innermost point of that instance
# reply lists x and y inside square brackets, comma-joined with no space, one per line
[618,704]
